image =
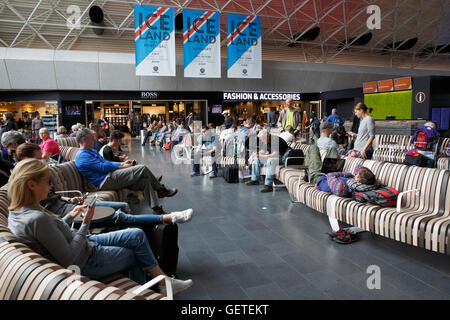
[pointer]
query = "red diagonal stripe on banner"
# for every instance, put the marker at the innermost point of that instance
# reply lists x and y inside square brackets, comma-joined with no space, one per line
[144,26]
[234,34]
[197,25]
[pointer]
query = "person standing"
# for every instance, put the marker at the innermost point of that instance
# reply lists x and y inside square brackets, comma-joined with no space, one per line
[9,123]
[366,132]
[228,119]
[36,125]
[304,121]
[271,118]
[290,117]
[132,119]
[138,123]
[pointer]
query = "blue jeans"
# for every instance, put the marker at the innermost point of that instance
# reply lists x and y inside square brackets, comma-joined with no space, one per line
[117,251]
[196,164]
[271,164]
[124,219]
[137,128]
[147,134]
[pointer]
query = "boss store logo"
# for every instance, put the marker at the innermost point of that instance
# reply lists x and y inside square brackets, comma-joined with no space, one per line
[149,95]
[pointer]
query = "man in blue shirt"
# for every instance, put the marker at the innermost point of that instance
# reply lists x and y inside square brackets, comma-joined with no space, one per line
[336,119]
[109,175]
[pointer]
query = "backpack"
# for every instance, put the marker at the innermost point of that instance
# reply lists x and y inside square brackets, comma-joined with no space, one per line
[337,122]
[384,196]
[168,145]
[424,138]
[316,125]
[296,153]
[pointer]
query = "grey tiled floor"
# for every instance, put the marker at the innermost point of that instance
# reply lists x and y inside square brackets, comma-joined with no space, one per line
[242,244]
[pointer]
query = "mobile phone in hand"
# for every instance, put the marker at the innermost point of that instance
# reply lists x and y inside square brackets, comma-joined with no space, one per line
[90,204]
[134,162]
[83,198]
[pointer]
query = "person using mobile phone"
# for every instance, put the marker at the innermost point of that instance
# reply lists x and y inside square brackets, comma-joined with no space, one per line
[97,256]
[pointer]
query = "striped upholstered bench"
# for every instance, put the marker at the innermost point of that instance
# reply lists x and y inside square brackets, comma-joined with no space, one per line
[26,275]
[68,153]
[391,148]
[66,176]
[443,161]
[422,219]
[67,142]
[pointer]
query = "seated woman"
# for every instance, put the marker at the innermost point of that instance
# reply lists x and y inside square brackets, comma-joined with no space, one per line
[49,147]
[62,132]
[97,256]
[122,219]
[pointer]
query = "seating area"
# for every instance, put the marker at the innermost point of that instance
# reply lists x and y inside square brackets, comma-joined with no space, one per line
[26,275]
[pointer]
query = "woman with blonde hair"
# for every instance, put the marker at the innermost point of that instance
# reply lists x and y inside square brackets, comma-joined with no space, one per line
[97,256]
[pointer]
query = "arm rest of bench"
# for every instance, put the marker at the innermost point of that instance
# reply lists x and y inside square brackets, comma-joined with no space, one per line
[400,195]
[154,281]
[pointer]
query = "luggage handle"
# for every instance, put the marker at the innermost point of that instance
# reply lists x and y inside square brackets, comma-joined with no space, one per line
[154,281]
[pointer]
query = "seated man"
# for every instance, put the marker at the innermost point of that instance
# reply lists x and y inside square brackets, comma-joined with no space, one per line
[179,133]
[100,136]
[288,134]
[107,151]
[207,147]
[49,147]
[74,129]
[325,142]
[152,129]
[108,175]
[270,150]
[10,141]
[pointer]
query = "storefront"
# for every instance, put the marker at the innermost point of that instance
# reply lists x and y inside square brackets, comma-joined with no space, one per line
[25,111]
[243,105]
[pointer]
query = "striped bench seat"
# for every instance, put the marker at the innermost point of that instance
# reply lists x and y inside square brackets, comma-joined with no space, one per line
[66,176]
[423,221]
[26,275]
[67,142]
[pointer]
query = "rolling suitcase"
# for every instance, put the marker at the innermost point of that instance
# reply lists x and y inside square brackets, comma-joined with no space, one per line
[231,173]
[163,239]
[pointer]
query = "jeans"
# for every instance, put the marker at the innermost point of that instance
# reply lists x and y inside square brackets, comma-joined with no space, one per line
[271,164]
[137,127]
[196,164]
[147,134]
[117,251]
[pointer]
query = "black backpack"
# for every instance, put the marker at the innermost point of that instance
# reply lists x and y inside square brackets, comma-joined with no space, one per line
[293,153]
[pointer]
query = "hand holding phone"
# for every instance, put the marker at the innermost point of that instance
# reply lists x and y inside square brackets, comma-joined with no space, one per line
[134,163]
[90,204]
[83,198]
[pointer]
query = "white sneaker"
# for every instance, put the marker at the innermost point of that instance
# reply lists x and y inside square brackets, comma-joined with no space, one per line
[177,286]
[182,216]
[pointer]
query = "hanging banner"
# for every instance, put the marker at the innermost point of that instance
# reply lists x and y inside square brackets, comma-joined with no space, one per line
[244,46]
[201,39]
[154,35]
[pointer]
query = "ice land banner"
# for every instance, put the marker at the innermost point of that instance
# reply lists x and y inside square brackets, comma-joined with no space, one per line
[154,34]
[243,46]
[201,39]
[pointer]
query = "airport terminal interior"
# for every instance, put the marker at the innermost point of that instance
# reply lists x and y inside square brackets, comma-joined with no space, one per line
[307,156]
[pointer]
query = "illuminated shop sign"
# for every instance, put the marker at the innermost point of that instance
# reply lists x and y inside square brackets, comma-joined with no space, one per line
[260,96]
[149,95]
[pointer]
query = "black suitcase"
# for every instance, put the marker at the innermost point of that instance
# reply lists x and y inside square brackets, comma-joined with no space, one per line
[231,173]
[163,239]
